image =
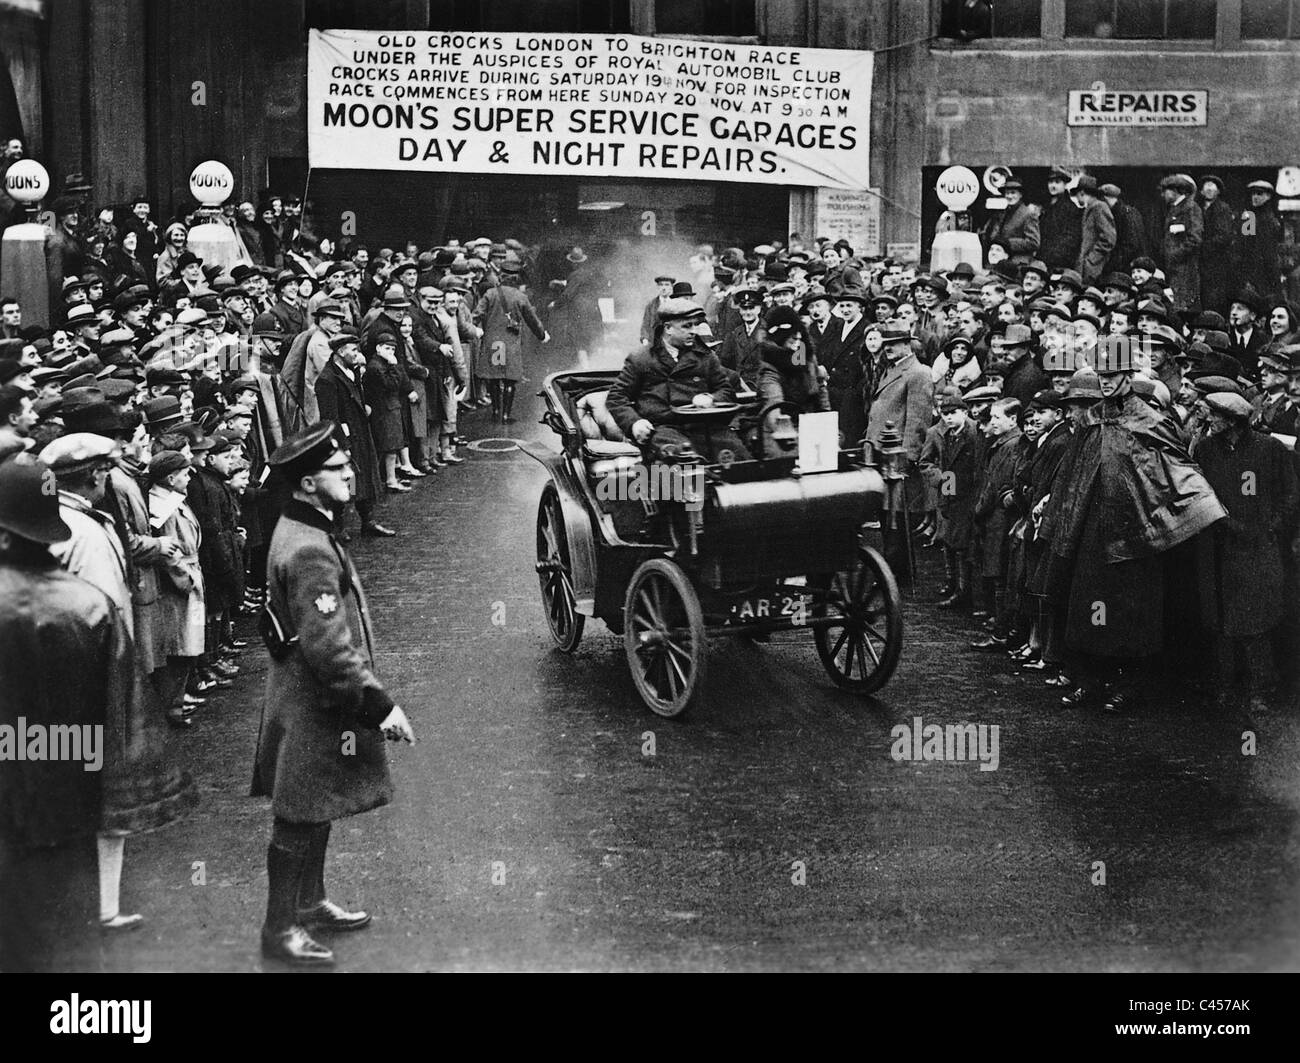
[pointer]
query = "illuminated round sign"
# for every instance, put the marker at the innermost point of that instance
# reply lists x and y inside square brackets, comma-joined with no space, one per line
[212,183]
[27,181]
[958,187]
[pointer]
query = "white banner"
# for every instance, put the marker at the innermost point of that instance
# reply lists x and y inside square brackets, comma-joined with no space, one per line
[588,104]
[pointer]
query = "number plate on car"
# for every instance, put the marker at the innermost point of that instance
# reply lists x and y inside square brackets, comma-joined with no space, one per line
[795,608]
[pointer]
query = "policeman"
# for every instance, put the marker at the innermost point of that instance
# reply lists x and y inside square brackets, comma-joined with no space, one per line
[320,753]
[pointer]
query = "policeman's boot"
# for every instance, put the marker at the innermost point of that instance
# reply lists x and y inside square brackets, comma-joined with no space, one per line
[507,401]
[282,937]
[315,910]
[494,394]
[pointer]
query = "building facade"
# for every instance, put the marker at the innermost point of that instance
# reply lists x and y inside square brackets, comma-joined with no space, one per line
[134,93]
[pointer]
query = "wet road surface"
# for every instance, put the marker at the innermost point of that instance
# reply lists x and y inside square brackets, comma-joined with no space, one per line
[530,831]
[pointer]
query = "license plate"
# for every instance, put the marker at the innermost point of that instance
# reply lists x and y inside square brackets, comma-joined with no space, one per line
[795,608]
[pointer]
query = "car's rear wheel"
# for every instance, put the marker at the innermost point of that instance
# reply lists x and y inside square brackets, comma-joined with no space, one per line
[663,633]
[555,574]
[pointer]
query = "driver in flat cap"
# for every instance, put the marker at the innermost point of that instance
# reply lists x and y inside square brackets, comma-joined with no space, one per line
[320,753]
[677,370]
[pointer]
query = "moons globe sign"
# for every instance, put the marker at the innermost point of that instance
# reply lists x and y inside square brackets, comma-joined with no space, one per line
[958,187]
[211,183]
[27,181]
[589,105]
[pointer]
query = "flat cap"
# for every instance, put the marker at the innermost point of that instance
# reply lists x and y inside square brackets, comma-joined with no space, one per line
[987,393]
[77,451]
[681,310]
[1230,404]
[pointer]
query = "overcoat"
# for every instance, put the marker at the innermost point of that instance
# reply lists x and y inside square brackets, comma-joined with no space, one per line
[385,393]
[992,514]
[956,484]
[220,552]
[1097,240]
[1240,562]
[1125,493]
[1184,231]
[320,753]
[1218,256]
[342,401]
[1061,226]
[180,585]
[502,312]
[145,560]
[842,355]
[904,395]
[1016,229]
[651,384]
[740,354]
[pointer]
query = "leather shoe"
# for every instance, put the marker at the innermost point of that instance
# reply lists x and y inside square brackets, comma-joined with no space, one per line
[1118,701]
[980,614]
[329,916]
[223,669]
[1061,680]
[989,644]
[237,644]
[1034,664]
[1076,697]
[296,946]
[954,601]
[452,459]
[397,488]
[377,529]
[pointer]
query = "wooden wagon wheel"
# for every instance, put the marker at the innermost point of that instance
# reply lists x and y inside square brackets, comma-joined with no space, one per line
[663,633]
[861,650]
[555,573]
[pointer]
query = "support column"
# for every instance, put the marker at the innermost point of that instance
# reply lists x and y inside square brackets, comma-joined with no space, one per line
[116,115]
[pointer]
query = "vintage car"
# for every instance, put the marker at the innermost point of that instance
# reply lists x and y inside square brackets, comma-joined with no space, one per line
[748,548]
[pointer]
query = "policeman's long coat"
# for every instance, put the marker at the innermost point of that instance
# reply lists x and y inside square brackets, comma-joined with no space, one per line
[320,754]
[1240,562]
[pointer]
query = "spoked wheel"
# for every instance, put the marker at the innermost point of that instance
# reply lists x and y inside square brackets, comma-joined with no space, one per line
[554,573]
[663,632]
[861,651]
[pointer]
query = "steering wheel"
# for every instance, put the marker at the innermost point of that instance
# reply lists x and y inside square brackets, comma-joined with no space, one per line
[754,433]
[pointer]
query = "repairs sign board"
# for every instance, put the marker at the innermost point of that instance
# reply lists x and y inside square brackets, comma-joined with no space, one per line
[1099,106]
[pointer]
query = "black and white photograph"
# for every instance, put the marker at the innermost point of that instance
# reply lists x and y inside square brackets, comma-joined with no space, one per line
[651,486]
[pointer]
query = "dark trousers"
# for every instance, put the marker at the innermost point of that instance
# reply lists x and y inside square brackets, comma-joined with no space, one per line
[719,445]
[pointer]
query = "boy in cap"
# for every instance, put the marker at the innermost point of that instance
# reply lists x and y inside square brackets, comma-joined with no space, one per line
[316,765]
[993,518]
[221,551]
[955,483]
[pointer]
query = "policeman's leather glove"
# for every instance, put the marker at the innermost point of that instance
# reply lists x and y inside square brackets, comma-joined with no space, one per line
[396,727]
